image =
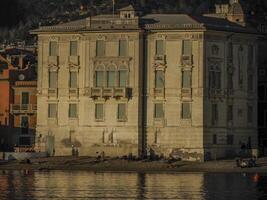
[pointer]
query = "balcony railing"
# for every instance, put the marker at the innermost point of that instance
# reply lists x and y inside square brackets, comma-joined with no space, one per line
[23,108]
[73,92]
[108,92]
[74,60]
[160,59]
[186,92]
[96,92]
[52,92]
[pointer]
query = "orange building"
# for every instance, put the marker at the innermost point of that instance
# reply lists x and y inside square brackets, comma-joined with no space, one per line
[17,101]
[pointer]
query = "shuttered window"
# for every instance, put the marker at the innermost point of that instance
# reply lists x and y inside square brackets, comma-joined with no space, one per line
[121,112]
[186,111]
[250,55]
[53,48]
[186,79]
[214,114]
[73,79]
[159,47]
[73,111]
[123,48]
[52,110]
[250,82]
[73,48]
[99,111]
[122,78]
[187,47]
[250,114]
[25,98]
[160,79]
[230,83]
[158,111]
[215,79]
[52,79]
[110,78]
[100,48]
[99,79]
[229,113]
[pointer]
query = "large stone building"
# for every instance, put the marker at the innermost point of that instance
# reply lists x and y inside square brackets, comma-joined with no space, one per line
[168,84]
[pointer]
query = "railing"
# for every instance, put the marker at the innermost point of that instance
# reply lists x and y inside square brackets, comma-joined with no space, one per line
[187,59]
[160,59]
[23,108]
[53,60]
[186,92]
[73,92]
[74,60]
[159,92]
[52,92]
[108,92]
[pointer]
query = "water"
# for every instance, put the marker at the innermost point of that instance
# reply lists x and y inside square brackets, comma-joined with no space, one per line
[29,185]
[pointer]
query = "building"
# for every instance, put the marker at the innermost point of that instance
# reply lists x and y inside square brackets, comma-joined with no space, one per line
[165,84]
[18,99]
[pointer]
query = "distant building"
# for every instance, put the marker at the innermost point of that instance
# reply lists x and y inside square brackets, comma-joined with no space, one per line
[165,84]
[18,99]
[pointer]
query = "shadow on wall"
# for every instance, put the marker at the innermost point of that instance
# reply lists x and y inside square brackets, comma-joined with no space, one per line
[12,137]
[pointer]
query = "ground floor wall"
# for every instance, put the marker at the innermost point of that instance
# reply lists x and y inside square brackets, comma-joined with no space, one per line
[88,141]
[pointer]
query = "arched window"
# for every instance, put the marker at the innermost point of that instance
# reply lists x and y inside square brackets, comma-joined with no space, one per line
[99,76]
[123,76]
[111,76]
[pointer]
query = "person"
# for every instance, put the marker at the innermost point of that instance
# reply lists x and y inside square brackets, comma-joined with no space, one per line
[72,150]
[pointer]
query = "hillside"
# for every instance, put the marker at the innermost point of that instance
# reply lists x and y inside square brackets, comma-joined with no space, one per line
[17,17]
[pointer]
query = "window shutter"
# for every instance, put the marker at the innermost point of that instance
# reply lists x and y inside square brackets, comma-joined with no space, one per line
[121,111]
[24,98]
[111,78]
[73,48]
[73,79]
[73,111]
[159,112]
[186,79]
[187,47]
[159,47]
[123,48]
[186,112]
[52,79]
[100,48]
[160,79]
[52,110]
[122,78]
[99,78]
[99,111]
[53,48]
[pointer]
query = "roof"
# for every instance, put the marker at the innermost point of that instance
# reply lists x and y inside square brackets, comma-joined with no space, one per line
[127,8]
[150,22]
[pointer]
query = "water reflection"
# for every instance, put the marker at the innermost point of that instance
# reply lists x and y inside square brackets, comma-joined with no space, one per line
[87,185]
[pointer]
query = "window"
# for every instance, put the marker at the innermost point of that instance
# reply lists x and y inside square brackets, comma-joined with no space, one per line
[250,114]
[52,110]
[159,47]
[122,78]
[110,78]
[186,79]
[214,114]
[73,111]
[230,83]
[186,111]
[73,79]
[230,139]
[160,79]
[99,79]
[229,113]
[52,79]
[73,48]
[250,55]
[250,82]
[100,48]
[214,77]
[215,50]
[24,98]
[230,50]
[24,125]
[214,139]
[187,47]
[158,111]
[123,48]
[99,111]
[53,48]
[121,112]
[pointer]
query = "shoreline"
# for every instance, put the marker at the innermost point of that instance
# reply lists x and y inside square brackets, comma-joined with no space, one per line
[125,166]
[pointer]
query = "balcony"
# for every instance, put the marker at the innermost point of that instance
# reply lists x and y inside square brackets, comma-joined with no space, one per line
[73,92]
[120,92]
[53,60]
[159,92]
[52,92]
[95,92]
[186,60]
[186,92]
[75,60]
[160,59]
[107,92]
[23,108]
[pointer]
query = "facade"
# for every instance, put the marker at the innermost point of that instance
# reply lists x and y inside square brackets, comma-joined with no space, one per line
[164,84]
[18,100]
